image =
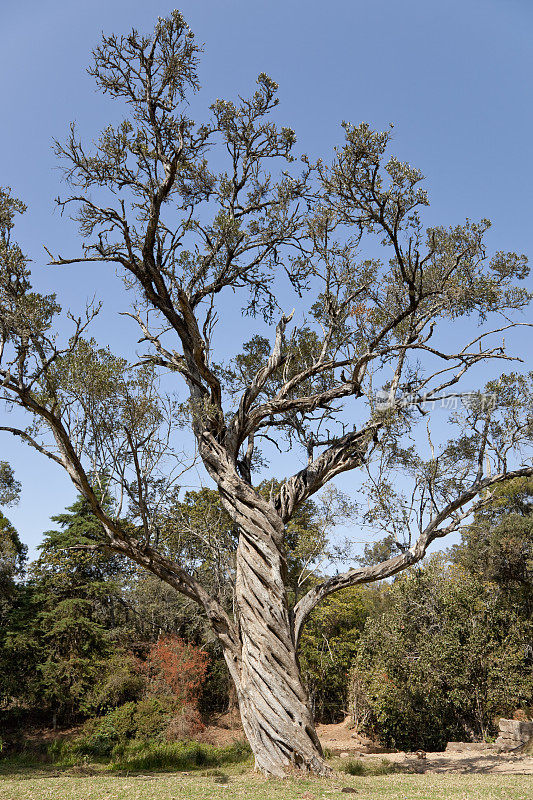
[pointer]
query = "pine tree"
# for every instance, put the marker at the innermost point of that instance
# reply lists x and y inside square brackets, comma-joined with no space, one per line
[76,594]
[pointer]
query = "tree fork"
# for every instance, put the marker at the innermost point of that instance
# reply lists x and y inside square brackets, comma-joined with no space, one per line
[273,701]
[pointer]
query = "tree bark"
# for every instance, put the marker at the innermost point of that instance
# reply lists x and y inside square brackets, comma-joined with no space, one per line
[273,702]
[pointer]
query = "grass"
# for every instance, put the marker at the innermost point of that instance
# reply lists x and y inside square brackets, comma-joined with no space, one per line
[97,783]
[156,757]
[130,756]
[355,766]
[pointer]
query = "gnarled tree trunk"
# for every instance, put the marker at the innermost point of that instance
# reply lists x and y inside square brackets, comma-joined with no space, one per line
[273,702]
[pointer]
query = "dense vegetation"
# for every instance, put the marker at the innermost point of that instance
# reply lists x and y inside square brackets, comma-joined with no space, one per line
[438,654]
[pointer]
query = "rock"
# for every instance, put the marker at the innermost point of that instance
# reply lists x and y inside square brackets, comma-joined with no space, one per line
[513,733]
[456,747]
[348,790]
[469,747]
[345,754]
[503,743]
[515,728]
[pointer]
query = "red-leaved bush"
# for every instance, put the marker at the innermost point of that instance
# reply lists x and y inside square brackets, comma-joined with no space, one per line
[175,668]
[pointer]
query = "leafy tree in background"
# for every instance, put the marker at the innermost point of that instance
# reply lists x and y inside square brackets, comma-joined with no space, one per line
[329,646]
[473,656]
[78,610]
[12,557]
[12,551]
[377,552]
[9,486]
[449,654]
[498,546]
[13,611]
[156,610]
[340,383]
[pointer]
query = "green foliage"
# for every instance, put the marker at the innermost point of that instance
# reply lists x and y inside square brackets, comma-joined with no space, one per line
[22,311]
[217,692]
[13,612]
[133,738]
[451,650]
[199,532]
[12,559]
[377,552]
[9,486]
[445,658]
[75,595]
[85,621]
[144,720]
[120,683]
[498,546]
[329,645]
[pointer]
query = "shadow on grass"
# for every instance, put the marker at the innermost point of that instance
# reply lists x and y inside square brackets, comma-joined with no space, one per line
[177,756]
[131,757]
[28,767]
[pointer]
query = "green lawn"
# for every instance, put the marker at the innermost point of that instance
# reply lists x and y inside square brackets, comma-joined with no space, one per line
[49,784]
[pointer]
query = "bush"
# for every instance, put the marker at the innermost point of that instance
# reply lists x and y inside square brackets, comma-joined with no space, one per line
[186,724]
[145,720]
[131,727]
[444,659]
[176,668]
[122,683]
[151,717]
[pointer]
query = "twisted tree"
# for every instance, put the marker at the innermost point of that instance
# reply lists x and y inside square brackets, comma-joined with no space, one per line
[198,218]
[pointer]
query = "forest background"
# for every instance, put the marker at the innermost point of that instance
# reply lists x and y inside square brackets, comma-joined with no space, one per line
[92,642]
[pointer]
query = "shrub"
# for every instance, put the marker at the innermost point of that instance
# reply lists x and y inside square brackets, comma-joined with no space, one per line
[176,668]
[145,720]
[185,724]
[447,655]
[122,683]
[130,728]
[152,715]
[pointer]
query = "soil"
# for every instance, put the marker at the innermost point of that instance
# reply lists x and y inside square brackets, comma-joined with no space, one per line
[341,741]
[459,757]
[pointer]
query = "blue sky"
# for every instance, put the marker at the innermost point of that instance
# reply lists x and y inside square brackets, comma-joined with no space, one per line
[454,78]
